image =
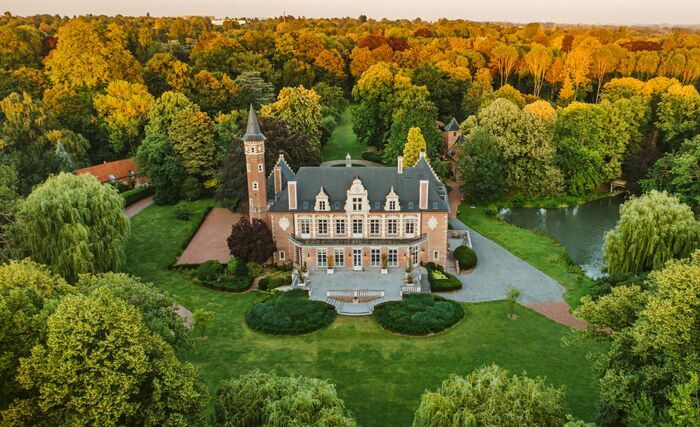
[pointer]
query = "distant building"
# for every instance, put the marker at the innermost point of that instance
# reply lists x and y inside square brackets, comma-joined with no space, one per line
[356,215]
[452,135]
[124,171]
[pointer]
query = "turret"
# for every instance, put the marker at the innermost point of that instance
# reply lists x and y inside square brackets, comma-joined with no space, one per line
[254,144]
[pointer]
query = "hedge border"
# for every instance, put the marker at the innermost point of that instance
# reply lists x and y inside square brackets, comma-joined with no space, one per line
[134,195]
[379,309]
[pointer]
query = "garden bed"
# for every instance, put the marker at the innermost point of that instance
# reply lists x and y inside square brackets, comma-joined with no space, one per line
[290,313]
[419,314]
[139,193]
[213,275]
[440,280]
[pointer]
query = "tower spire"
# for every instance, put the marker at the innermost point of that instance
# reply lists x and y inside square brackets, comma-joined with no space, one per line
[252,132]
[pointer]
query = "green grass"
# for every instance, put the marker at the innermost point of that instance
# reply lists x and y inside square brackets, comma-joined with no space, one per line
[342,141]
[381,376]
[537,249]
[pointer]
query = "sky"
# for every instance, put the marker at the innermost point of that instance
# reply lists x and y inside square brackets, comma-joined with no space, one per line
[675,12]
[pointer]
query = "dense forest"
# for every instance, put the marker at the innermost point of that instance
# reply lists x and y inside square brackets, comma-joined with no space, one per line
[578,105]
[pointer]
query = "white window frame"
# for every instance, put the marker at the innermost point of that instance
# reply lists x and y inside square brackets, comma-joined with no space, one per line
[255,185]
[319,223]
[322,205]
[339,257]
[340,226]
[282,256]
[436,254]
[409,227]
[357,204]
[393,257]
[392,223]
[305,223]
[321,258]
[260,167]
[358,224]
[375,222]
[392,205]
[375,257]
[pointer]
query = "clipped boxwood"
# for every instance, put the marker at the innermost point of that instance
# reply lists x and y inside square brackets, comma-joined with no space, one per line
[133,196]
[209,271]
[440,280]
[229,283]
[275,280]
[466,257]
[289,313]
[419,314]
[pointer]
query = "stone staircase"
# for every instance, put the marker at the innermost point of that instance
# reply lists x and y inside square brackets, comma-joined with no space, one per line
[354,309]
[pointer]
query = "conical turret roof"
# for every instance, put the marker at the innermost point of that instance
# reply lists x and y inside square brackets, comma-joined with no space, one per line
[252,132]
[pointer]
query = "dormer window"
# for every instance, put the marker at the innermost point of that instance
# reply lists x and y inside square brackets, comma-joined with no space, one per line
[392,201]
[357,203]
[356,200]
[322,203]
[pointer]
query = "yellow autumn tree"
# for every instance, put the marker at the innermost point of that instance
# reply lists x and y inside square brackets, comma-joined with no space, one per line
[414,144]
[124,108]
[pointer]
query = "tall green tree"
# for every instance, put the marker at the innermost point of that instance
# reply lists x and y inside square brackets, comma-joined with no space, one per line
[300,109]
[491,396]
[480,167]
[678,173]
[74,225]
[445,92]
[27,291]
[101,365]
[652,229]
[124,107]
[258,398]
[653,351]
[253,89]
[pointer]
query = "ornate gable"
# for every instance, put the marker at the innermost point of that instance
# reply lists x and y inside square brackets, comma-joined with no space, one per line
[392,201]
[356,200]
[322,204]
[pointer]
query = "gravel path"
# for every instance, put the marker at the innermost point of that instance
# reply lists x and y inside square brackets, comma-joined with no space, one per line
[210,240]
[137,207]
[497,269]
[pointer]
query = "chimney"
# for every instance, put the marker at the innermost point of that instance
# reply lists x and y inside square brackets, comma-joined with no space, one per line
[423,197]
[348,161]
[399,164]
[422,153]
[292,194]
[277,175]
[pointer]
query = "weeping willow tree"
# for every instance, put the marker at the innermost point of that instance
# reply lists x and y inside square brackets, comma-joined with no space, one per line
[74,225]
[491,396]
[651,230]
[261,399]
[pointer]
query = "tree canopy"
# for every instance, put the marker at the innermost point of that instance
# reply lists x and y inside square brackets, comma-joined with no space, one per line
[652,229]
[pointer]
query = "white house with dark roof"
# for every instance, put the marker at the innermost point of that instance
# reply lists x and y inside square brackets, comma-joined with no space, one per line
[356,215]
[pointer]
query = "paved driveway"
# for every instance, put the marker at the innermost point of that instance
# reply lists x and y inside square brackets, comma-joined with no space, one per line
[496,269]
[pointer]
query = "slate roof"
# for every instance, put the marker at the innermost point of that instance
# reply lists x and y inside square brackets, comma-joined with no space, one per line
[376,180]
[252,131]
[452,126]
[287,175]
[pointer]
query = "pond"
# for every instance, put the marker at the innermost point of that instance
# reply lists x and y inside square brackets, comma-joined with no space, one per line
[580,229]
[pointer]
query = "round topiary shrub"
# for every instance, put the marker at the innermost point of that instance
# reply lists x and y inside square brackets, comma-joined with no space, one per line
[440,280]
[466,257]
[419,314]
[290,313]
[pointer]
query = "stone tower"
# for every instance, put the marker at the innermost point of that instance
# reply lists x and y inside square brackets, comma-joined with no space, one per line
[254,143]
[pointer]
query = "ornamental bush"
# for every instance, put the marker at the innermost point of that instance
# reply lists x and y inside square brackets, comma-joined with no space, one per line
[262,399]
[419,314]
[490,396]
[290,313]
[209,271]
[275,280]
[440,280]
[466,257]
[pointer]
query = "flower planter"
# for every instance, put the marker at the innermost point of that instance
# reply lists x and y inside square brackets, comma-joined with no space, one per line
[329,271]
[385,271]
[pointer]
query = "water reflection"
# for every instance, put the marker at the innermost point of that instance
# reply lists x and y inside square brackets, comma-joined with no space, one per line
[580,229]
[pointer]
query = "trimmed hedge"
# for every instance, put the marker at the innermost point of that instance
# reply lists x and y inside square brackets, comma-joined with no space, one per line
[440,280]
[289,313]
[419,314]
[466,257]
[275,280]
[213,275]
[133,196]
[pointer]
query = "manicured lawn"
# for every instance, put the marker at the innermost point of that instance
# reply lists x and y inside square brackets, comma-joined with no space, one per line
[342,141]
[381,376]
[539,250]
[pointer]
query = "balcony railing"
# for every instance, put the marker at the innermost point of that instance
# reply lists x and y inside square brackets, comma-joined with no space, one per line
[368,241]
